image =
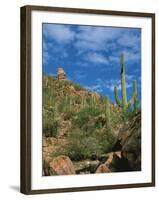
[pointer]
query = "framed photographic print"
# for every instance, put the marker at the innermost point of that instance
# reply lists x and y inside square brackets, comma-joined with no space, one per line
[87,99]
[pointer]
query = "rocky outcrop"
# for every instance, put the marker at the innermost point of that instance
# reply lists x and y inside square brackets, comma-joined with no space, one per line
[61,75]
[129,143]
[62,165]
[126,155]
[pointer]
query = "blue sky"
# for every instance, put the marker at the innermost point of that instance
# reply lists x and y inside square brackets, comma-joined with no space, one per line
[90,55]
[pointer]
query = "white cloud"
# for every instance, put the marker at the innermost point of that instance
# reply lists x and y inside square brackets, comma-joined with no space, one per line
[129,40]
[100,34]
[80,75]
[116,82]
[129,78]
[96,88]
[95,38]
[60,33]
[83,45]
[81,63]
[112,83]
[89,41]
[131,56]
[114,59]
[45,57]
[96,58]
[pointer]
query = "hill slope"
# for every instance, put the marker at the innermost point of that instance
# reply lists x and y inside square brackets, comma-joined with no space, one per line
[79,124]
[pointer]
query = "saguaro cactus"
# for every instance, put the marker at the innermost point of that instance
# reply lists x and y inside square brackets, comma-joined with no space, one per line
[135,96]
[83,102]
[123,84]
[107,112]
[123,103]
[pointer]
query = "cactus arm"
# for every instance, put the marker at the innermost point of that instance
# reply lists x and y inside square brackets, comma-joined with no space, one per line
[118,102]
[131,101]
[123,83]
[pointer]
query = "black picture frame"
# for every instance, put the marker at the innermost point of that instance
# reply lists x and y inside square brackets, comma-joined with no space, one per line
[26,98]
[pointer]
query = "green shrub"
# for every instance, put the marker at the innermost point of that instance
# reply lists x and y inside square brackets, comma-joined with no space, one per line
[87,145]
[62,105]
[50,129]
[77,86]
[106,140]
[82,146]
[85,114]
[68,115]
[77,100]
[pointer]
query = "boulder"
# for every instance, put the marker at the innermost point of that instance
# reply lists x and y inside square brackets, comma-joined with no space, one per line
[86,166]
[62,165]
[109,161]
[102,169]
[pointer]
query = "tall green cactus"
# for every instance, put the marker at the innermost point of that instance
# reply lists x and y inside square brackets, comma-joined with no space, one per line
[55,110]
[135,97]
[123,84]
[118,102]
[107,112]
[83,102]
[123,103]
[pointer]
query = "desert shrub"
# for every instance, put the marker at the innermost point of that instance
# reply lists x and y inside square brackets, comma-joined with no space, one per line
[82,146]
[62,105]
[68,115]
[50,121]
[77,100]
[50,128]
[122,116]
[106,140]
[77,86]
[85,145]
[85,114]
[115,118]
[89,126]
[65,108]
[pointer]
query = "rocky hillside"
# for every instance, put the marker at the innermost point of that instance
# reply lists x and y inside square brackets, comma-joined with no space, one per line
[84,132]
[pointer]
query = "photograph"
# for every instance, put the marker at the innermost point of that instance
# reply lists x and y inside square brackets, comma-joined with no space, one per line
[91,99]
[88,99]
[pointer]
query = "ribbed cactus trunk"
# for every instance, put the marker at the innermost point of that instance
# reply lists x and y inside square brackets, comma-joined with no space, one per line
[107,113]
[70,102]
[123,102]
[135,97]
[66,99]
[55,110]
[92,102]
[123,83]
[83,102]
